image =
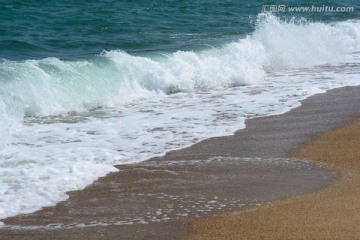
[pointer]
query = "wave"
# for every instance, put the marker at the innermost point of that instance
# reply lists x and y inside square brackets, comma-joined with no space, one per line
[300,44]
[51,86]
[39,162]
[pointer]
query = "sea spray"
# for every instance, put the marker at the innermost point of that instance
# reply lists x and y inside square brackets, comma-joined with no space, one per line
[297,43]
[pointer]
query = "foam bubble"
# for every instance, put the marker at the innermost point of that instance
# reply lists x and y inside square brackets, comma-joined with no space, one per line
[28,185]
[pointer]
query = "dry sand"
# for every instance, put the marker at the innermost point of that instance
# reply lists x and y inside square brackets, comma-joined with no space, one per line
[332,213]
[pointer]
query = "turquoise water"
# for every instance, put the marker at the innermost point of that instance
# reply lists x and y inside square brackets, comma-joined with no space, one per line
[78,29]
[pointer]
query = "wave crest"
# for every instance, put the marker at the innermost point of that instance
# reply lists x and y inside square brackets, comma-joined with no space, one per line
[51,86]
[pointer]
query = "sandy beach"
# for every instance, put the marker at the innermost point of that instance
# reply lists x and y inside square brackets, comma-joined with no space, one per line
[173,196]
[331,213]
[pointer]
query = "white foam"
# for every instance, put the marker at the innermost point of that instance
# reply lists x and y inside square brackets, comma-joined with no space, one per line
[5,125]
[298,44]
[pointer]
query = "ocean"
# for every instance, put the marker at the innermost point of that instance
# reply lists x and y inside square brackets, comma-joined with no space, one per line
[88,85]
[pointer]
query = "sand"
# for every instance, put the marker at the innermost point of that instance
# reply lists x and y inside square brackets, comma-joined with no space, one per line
[332,213]
[211,175]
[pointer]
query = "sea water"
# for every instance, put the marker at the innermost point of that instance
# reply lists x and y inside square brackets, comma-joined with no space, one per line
[85,86]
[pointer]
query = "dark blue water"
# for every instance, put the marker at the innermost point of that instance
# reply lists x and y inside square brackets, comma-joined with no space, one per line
[76,29]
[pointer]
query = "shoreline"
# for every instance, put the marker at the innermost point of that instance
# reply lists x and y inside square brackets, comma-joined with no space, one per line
[330,213]
[264,138]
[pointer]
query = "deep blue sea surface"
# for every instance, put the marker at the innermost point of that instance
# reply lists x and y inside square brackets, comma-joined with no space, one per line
[75,29]
[86,85]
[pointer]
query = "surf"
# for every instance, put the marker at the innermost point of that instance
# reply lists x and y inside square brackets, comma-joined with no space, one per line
[57,116]
[51,86]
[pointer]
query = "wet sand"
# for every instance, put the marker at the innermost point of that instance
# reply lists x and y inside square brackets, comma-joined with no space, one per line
[155,199]
[332,213]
